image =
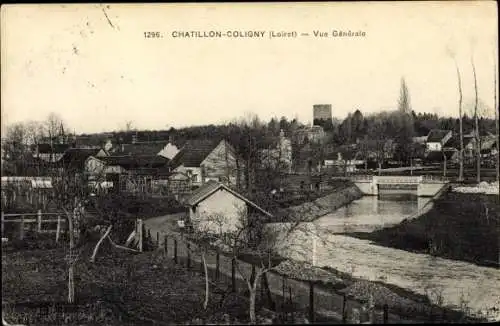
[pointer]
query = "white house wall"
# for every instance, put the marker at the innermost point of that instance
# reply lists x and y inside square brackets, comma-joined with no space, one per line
[50,157]
[94,166]
[219,163]
[108,146]
[114,169]
[434,146]
[195,171]
[220,212]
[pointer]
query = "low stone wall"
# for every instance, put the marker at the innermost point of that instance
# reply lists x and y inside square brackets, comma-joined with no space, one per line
[312,210]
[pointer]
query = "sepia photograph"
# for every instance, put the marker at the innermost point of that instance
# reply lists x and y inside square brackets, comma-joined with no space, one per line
[250,163]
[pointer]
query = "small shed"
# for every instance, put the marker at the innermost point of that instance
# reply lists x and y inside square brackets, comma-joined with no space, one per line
[214,207]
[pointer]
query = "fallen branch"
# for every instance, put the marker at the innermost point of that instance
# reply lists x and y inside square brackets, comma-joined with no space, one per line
[121,247]
[92,259]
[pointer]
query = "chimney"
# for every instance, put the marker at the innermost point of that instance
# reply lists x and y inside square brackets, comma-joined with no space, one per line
[171,139]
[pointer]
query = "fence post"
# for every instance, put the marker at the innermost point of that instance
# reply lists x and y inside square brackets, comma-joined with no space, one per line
[283,304]
[386,313]
[217,265]
[291,304]
[175,251]
[39,220]
[58,229]
[311,302]
[344,303]
[262,287]
[139,226]
[188,246]
[158,239]
[165,244]
[21,231]
[2,224]
[233,274]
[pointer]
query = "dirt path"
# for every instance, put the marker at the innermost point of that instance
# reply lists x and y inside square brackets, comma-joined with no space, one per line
[165,224]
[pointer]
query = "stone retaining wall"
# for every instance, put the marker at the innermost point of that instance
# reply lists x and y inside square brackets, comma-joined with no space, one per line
[312,210]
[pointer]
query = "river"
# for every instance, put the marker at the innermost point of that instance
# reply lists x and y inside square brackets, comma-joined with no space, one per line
[454,281]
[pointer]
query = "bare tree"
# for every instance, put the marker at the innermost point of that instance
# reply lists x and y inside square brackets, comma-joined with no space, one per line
[54,128]
[476,120]
[377,132]
[129,126]
[460,116]
[54,125]
[13,148]
[35,132]
[202,240]
[245,133]
[405,125]
[69,193]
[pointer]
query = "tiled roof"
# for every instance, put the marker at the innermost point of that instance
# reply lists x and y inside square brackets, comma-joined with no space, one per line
[52,148]
[75,157]
[194,152]
[141,148]
[454,141]
[88,141]
[212,186]
[437,156]
[135,162]
[436,135]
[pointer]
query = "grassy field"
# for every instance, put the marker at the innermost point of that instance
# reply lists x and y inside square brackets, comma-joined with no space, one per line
[120,288]
[459,226]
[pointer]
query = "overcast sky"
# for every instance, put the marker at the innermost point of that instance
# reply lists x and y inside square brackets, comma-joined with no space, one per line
[99,73]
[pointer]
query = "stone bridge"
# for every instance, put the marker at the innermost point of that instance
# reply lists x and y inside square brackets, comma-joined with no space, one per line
[422,186]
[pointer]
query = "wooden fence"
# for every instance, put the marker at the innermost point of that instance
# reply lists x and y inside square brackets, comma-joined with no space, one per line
[35,222]
[317,301]
[289,297]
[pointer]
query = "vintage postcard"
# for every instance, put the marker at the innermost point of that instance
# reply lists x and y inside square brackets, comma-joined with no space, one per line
[250,163]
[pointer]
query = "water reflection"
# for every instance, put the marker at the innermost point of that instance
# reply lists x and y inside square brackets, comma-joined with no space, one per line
[370,213]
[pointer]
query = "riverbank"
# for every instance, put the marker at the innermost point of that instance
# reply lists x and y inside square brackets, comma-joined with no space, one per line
[459,226]
[344,193]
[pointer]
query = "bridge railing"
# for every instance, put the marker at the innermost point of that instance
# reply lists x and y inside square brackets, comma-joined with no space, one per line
[435,179]
[398,179]
[365,178]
